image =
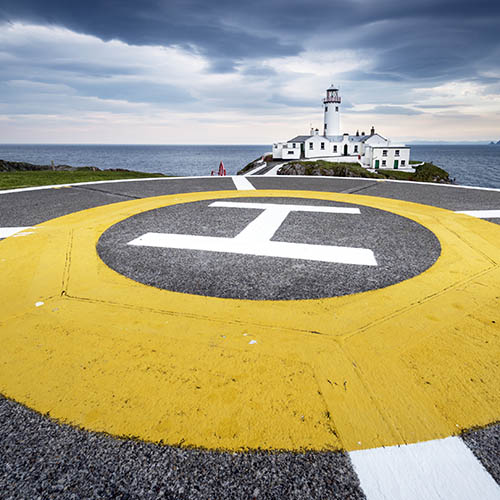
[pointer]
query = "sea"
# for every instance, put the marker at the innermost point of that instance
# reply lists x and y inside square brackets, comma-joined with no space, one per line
[470,165]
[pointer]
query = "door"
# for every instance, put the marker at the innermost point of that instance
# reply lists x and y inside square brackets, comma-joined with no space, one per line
[377,163]
[345,150]
[302,149]
[396,164]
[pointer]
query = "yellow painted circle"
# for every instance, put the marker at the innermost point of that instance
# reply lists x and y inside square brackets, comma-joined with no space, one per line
[414,361]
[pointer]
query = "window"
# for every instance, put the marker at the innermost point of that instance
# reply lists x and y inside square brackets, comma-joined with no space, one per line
[293,145]
[334,149]
[384,152]
[397,152]
[326,126]
[403,163]
[323,145]
[290,152]
[336,108]
[384,163]
[355,149]
[310,145]
[326,108]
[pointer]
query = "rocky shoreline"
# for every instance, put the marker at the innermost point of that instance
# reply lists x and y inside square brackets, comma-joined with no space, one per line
[424,172]
[20,166]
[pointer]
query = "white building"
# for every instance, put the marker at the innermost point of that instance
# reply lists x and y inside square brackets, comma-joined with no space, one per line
[370,151]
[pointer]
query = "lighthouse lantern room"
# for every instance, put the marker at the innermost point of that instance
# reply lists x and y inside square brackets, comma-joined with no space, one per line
[331,104]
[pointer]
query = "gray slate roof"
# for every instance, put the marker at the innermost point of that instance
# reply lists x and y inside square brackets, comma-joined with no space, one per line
[331,138]
[300,138]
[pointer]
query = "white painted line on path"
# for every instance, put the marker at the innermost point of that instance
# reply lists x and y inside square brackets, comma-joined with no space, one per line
[242,183]
[5,232]
[481,214]
[443,469]
[274,170]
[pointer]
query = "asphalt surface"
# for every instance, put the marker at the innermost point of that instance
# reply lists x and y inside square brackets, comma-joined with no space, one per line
[41,458]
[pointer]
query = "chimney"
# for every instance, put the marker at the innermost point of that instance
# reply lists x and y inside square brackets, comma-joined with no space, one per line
[362,133]
[357,133]
[372,131]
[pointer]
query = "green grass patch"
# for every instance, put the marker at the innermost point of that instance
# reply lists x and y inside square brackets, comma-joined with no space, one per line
[20,179]
[423,173]
[395,174]
[322,167]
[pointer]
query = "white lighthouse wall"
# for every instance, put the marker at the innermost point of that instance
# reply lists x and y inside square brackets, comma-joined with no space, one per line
[332,119]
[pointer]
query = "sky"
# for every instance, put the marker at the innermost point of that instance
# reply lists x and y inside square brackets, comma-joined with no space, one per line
[234,72]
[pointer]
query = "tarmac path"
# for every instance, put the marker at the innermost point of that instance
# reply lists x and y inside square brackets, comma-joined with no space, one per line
[250,337]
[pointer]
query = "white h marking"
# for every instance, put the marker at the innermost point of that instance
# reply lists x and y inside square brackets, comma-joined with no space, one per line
[435,470]
[255,239]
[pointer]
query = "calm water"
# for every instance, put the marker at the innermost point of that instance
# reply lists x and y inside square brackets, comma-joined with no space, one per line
[172,160]
[469,165]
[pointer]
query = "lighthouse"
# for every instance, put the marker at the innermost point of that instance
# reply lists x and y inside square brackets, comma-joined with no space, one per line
[331,105]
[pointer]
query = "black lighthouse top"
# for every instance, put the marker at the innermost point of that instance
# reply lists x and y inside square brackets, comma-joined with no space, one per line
[332,95]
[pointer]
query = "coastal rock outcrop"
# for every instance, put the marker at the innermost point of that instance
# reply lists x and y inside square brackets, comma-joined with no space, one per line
[19,166]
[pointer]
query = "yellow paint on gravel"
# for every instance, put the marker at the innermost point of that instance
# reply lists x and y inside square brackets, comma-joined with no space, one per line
[414,361]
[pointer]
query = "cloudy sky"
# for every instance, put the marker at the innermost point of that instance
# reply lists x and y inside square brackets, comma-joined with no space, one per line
[235,72]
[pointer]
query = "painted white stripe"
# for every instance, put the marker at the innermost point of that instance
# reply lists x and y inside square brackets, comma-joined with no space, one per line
[166,179]
[57,186]
[255,238]
[444,469]
[5,232]
[324,253]
[481,214]
[242,183]
[289,208]
[274,170]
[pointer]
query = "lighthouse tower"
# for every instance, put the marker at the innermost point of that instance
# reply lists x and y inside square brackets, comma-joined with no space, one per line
[332,111]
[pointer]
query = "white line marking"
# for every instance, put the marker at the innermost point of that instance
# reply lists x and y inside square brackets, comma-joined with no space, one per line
[255,238]
[242,183]
[443,469]
[289,208]
[481,214]
[166,179]
[323,253]
[5,232]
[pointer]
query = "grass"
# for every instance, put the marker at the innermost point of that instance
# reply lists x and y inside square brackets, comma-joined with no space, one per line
[336,169]
[29,178]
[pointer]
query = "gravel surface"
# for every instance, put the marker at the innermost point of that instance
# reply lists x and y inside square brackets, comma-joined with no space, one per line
[402,249]
[485,444]
[44,460]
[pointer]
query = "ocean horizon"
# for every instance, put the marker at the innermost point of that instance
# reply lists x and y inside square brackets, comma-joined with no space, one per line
[469,164]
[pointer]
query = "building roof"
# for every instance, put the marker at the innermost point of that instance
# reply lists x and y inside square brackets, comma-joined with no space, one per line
[300,138]
[331,138]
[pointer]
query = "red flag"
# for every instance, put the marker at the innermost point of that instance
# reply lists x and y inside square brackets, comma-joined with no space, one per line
[221,168]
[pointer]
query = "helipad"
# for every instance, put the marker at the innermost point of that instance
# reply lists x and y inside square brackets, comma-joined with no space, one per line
[303,315]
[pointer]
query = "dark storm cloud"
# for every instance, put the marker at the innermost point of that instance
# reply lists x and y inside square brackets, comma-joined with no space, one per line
[424,39]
